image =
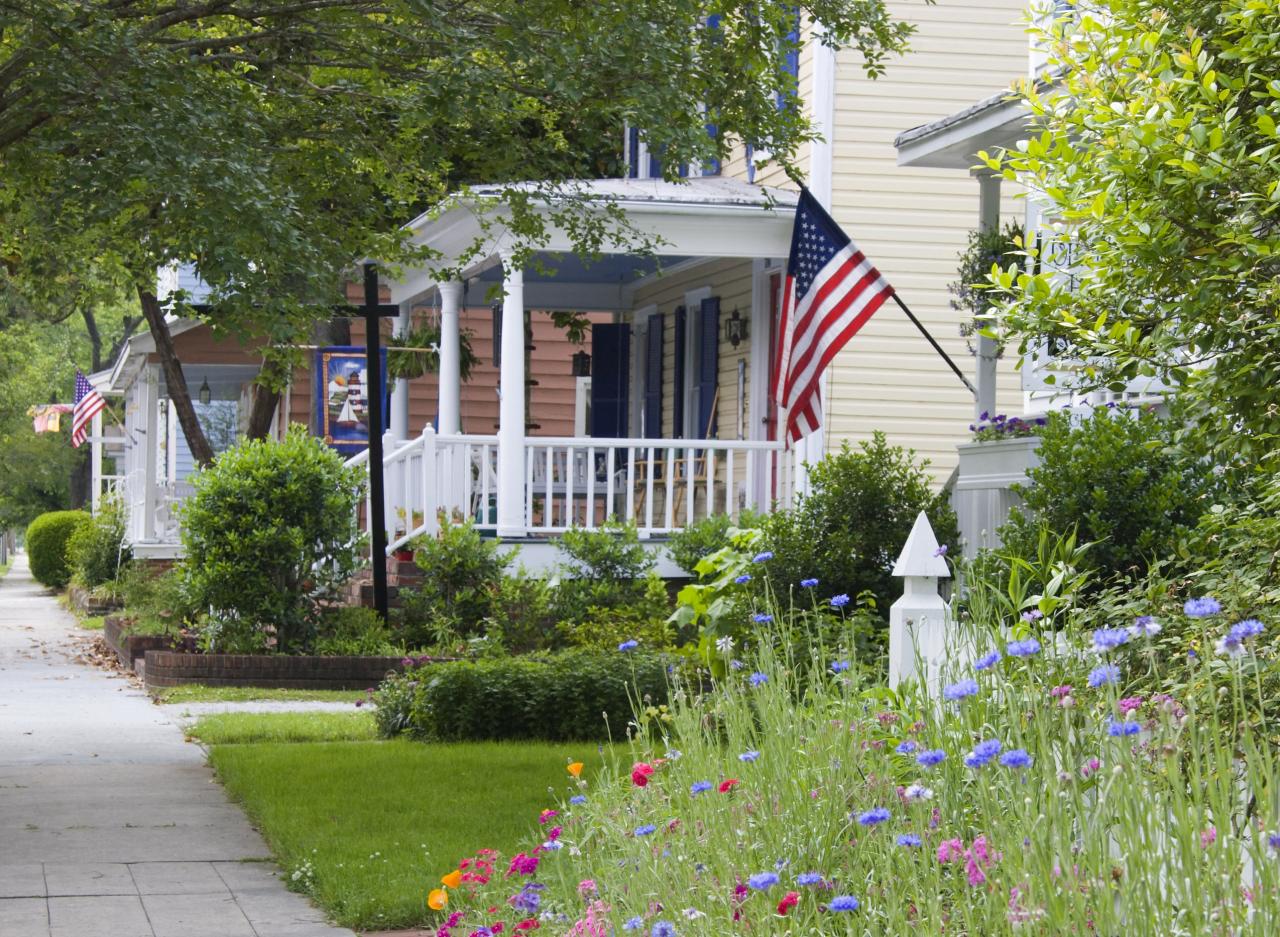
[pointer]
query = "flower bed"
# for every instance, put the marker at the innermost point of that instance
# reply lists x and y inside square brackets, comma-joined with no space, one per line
[1037,793]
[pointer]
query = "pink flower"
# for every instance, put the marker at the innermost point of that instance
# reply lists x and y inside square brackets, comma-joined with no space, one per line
[1059,692]
[553,834]
[640,773]
[522,864]
[1090,767]
[1208,837]
[950,849]
[789,901]
[587,887]
[1129,704]
[547,815]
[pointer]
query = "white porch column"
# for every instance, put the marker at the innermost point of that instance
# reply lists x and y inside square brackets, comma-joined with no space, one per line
[399,421]
[95,462]
[450,375]
[985,378]
[511,391]
[150,450]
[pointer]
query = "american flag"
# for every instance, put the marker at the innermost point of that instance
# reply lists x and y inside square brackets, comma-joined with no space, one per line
[831,290]
[89,403]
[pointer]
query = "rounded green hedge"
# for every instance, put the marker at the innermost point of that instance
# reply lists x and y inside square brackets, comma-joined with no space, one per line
[46,541]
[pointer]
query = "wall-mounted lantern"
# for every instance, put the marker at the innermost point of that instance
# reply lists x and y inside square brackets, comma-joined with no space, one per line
[735,328]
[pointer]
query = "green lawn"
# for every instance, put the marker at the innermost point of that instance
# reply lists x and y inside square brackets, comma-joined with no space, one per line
[92,622]
[199,693]
[242,728]
[370,826]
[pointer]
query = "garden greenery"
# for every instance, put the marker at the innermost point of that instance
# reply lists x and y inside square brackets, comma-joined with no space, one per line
[1120,481]
[96,551]
[1045,785]
[46,542]
[270,535]
[579,695]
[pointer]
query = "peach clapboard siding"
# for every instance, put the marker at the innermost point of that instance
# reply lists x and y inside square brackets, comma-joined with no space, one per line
[913,223]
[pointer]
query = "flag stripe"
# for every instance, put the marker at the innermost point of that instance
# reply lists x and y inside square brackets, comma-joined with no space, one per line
[861,291]
[88,404]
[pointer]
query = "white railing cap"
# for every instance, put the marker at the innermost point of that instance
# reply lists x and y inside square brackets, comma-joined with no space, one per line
[921,555]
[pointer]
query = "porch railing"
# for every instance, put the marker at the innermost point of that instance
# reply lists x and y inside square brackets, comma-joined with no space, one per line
[660,485]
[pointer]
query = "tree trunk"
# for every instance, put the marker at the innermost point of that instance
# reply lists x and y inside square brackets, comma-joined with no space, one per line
[201,451]
[265,400]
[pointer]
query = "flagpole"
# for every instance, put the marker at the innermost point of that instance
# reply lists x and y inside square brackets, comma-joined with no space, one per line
[936,347]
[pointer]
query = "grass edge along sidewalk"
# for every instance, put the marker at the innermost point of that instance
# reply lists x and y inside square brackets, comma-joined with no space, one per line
[363,827]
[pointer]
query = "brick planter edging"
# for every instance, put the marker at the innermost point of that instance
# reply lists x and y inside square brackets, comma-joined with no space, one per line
[130,648]
[84,602]
[174,668]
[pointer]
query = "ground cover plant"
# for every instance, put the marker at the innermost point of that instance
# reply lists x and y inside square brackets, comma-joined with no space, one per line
[200,693]
[358,826]
[1052,782]
[242,728]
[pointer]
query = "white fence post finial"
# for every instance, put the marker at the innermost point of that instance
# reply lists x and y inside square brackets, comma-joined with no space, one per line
[918,620]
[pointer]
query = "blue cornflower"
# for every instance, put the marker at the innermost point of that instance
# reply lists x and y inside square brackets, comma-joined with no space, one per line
[763,881]
[809,878]
[982,753]
[1108,639]
[839,601]
[873,816]
[808,583]
[629,645]
[1274,841]
[645,830]
[1023,648]
[960,690]
[905,748]
[578,799]
[1032,616]
[987,661]
[1249,628]
[749,756]
[1144,626]
[763,557]
[1117,729]
[927,759]
[839,666]
[552,845]
[758,678]
[698,787]
[663,929]
[736,665]
[941,551]
[1016,758]
[908,839]
[529,898]
[1202,607]
[634,923]
[1106,675]
[761,618]
[743,579]
[843,903]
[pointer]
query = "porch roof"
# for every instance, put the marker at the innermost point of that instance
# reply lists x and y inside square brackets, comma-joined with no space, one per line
[952,142]
[699,218]
[133,356]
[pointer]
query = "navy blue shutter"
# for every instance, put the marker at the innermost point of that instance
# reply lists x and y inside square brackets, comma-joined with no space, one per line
[712,167]
[655,164]
[677,395]
[633,152]
[792,66]
[708,362]
[653,380]
[610,377]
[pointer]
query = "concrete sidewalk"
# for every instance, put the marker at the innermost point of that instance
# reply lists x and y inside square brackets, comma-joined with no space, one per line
[110,824]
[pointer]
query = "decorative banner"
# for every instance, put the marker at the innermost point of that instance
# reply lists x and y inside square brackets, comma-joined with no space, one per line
[340,395]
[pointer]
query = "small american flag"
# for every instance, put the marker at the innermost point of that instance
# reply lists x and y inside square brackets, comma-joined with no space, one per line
[831,290]
[88,404]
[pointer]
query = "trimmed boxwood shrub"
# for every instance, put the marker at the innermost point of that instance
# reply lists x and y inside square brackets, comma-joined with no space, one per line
[574,695]
[46,542]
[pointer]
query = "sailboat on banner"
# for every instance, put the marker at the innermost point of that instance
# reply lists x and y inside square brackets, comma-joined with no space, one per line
[354,404]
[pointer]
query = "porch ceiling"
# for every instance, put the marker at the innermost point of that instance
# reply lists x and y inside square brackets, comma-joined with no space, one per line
[953,142]
[709,218]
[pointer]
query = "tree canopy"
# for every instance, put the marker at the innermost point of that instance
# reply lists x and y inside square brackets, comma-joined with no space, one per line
[1155,148]
[274,142]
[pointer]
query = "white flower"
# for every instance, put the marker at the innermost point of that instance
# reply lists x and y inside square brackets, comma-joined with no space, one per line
[918,792]
[693,913]
[725,644]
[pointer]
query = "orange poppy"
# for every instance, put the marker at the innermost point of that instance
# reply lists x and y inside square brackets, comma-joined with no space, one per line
[453,879]
[576,769]
[437,899]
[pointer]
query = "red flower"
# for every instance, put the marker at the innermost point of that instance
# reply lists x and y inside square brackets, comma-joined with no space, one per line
[789,901]
[727,786]
[640,772]
[528,924]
